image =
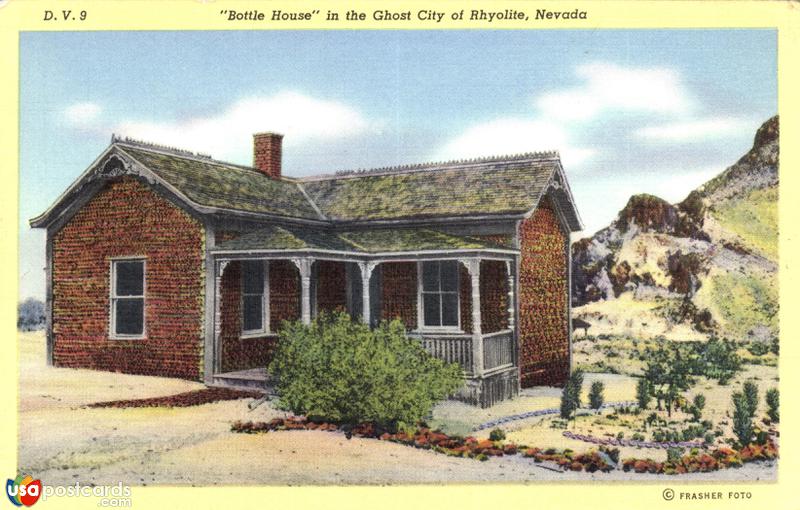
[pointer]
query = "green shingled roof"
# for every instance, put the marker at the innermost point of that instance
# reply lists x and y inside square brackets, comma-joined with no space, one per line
[489,187]
[375,241]
[507,185]
[214,184]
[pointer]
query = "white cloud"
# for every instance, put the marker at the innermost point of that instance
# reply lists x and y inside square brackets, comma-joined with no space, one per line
[613,87]
[511,136]
[696,129]
[83,114]
[228,134]
[301,118]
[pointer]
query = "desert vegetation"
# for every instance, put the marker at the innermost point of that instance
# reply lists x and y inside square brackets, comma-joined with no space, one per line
[339,370]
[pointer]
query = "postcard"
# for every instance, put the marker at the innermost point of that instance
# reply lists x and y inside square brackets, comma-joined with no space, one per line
[358,254]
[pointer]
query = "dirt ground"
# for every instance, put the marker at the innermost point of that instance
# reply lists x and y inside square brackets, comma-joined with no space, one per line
[63,442]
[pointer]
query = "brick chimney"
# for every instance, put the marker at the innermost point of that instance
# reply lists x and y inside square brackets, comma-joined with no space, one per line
[267,153]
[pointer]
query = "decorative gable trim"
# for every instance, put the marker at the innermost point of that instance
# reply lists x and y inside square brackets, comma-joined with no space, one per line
[561,196]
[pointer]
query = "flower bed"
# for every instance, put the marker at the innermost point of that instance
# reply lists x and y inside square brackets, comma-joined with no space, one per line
[633,442]
[696,462]
[604,459]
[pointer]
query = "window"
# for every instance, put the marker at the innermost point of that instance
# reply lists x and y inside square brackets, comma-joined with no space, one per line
[440,294]
[127,299]
[254,303]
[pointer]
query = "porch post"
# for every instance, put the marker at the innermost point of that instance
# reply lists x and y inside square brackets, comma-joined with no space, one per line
[511,307]
[304,267]
[474,268]
[220,270]
[366,273]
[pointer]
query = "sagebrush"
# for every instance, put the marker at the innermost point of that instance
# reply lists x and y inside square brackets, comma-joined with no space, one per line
[340,370]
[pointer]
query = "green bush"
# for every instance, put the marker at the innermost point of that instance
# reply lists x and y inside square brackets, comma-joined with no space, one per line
[758,348]
[773,403]
[750,390]
[340,370]
[742,421]
[674,454]
[497,435]
[698,404]
[596,395]
[571,395]
[718,360]
[643,393]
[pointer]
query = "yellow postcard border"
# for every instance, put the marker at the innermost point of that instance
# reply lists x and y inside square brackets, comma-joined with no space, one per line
[17,16]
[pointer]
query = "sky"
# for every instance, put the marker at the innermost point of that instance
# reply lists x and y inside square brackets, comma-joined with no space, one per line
[630,111]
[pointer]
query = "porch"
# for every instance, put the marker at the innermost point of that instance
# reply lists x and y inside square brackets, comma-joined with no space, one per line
[456,295]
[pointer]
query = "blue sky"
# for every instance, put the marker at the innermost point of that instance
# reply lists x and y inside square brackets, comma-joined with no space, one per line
[657,111]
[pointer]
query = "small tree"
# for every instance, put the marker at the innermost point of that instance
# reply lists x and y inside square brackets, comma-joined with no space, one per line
[742,421]
[698,404]
[571,395]
[773,401]
[668,371]
[596,395]
[643,393]
[750,390]
[30,315]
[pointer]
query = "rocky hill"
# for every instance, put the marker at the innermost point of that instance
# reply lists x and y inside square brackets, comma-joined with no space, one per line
[705,266]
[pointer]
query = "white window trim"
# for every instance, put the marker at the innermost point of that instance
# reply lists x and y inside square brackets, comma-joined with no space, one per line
[421,327]
[112,298]
[265,310]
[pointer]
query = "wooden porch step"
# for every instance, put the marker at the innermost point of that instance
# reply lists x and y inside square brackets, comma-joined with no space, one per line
[253,379]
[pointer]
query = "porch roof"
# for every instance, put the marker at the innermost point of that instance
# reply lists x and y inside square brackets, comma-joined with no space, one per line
[366,242]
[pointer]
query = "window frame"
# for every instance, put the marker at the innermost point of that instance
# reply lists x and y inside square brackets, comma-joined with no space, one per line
[265,309]
[421,299]
[114,298]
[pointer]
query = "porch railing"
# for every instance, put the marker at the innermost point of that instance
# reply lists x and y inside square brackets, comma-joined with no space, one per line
[498,350]
[451,349]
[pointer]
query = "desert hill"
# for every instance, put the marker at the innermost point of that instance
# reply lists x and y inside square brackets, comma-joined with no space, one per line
[705,266]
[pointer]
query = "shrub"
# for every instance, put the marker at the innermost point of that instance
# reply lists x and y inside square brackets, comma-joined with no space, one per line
[571,395]
[698,404]
[340,370]
[750,390]
[718,360]
[773,401]
[497,435]
[596,395]
[742,421]
[674,454]
[643,393]
[758,348]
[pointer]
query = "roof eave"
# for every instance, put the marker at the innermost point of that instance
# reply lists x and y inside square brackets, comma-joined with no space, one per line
[365,254]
